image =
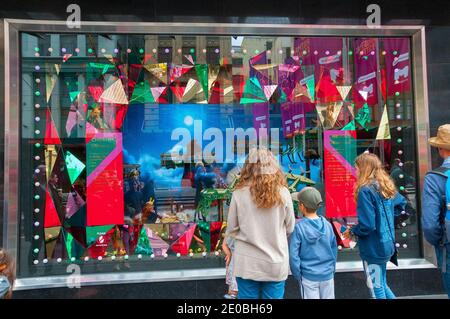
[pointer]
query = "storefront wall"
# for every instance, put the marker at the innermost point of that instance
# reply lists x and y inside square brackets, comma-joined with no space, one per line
[179,266]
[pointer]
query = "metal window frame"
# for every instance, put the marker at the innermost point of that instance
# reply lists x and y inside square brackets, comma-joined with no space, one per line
[10,39]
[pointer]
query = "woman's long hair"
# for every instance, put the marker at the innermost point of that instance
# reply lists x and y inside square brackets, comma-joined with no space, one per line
[263,175]
[7,269]
[370,169]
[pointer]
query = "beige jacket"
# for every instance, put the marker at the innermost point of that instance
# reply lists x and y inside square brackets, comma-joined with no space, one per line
[261,247]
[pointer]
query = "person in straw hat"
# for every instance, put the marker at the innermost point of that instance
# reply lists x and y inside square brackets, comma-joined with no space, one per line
[436,204]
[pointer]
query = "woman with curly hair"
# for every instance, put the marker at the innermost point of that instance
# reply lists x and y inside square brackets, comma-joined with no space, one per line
[260,217]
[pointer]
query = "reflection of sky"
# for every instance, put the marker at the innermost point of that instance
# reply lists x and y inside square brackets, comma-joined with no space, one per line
[144,145]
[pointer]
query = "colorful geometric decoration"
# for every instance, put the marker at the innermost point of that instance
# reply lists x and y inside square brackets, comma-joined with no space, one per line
[364,116]
[51,133]
[51,235]
[343,90]
[114,94]
[51,218]
[384,132]
[157,92]
[253,93]
[142,94]
[158,70]
[183,242]
[202,74]
[350,126]
[192,88]
[50,81]
[329,113]
[143,246]
[268,90]
[74,166]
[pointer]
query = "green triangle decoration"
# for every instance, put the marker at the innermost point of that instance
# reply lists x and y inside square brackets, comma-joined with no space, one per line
[310,86]
[350,126]
[104,67]
[202,73]
[143,246]
[73,95]
[68,241]
[253,93]
[93,232]
[142,94]
[74,166]
[283,97]
[364,117]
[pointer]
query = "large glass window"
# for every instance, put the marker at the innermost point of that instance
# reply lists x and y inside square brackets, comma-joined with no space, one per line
[131,144]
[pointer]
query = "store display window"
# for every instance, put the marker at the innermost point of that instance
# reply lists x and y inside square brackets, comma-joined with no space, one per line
[131,144]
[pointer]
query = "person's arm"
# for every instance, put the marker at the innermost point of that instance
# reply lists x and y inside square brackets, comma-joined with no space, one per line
[232,221]
[294,253]
[399,203]
[227,252]
[333,243]
[366,214]
[289,219]
[431,211]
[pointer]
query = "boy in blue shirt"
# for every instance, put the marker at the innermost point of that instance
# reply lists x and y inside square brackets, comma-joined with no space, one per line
[313,248]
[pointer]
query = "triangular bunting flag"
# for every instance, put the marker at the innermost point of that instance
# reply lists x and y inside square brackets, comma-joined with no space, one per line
[189,58]
[364,94]
[350,126]
[156,92]
[50,81]
[309,82]
[268,90]
[177,71]
[384,132]
[57,68]
[51,134]
[253,93]
[114,94]
[202,73]
[328,114]
[343,90]
[51,235]
[73,95]
[51,218]
[192,88]
[158,70]
[142,94]
[178,91]
[74,166]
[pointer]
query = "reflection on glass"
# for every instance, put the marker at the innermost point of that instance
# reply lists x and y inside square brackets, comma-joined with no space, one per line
[137,141]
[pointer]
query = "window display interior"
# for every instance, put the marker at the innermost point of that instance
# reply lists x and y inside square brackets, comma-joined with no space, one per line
[131,144]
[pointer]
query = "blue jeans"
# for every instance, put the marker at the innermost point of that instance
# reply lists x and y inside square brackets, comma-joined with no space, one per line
[376,281]
[250,289]
[445,275]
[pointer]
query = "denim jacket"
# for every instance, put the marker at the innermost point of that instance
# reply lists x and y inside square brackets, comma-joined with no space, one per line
[375,229]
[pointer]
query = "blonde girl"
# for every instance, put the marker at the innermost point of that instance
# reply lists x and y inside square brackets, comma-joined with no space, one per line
[377,203]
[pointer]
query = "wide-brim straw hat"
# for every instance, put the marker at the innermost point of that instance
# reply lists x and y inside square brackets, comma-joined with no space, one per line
[442,140]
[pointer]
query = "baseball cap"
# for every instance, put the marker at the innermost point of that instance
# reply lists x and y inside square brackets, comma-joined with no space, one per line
[309,197]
